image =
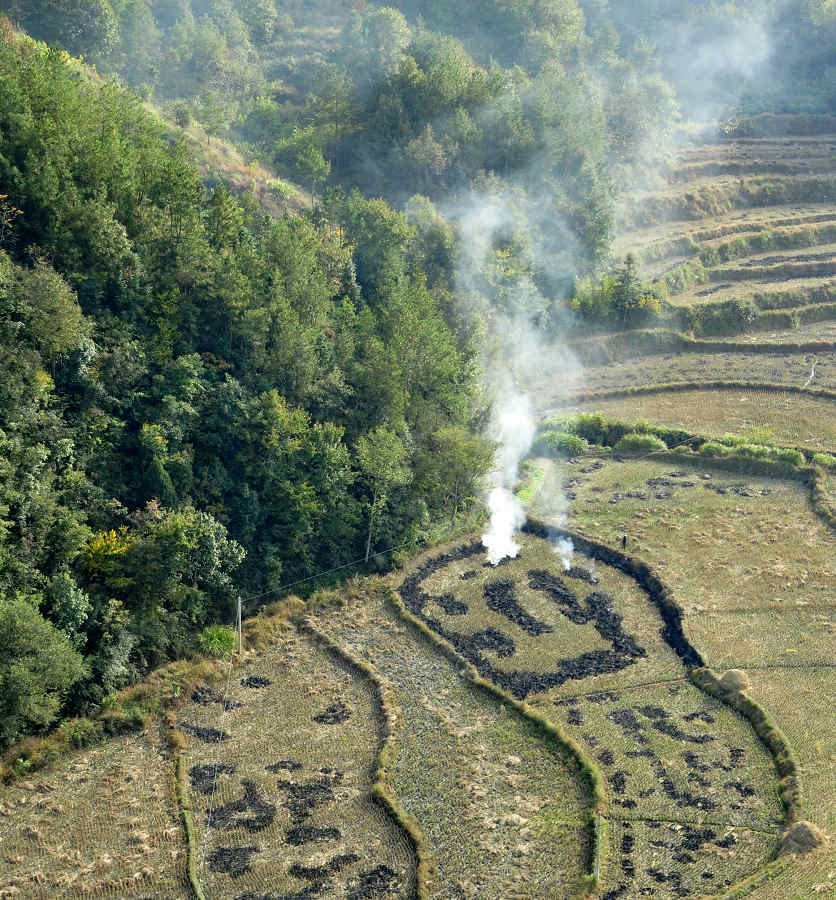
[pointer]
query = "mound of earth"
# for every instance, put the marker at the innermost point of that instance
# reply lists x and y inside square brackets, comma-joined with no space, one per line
[801,838]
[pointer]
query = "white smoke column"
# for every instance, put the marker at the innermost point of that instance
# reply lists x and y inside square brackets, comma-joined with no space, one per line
[513,427]
[564,548]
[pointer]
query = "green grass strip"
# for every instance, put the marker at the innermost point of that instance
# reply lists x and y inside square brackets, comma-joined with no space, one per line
[549,730]
[382,791]
[185,804]
[671,387]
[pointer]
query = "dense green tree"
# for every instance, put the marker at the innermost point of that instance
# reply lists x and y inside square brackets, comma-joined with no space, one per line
[38,667]
[382,458]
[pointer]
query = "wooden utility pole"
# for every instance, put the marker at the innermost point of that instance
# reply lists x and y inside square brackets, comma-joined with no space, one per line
[240,633]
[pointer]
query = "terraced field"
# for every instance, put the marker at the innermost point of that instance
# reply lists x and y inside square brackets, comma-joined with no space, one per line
[789,419]
[281,766]
[545,728]
[100,824]
[743,220]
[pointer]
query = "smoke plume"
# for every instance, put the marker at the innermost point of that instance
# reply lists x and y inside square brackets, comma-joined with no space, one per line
[513,426]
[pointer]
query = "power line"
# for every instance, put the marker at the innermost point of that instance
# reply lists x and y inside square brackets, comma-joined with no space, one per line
[355,562]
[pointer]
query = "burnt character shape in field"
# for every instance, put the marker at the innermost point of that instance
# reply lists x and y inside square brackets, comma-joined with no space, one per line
[501,597]
[233,814]
[596,609]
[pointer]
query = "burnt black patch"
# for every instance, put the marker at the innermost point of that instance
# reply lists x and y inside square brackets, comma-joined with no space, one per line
[603,697]
[725,843]
[207,735]
[618,780]
[466,576]
[597,609]
[606,758]
[501,597]
[302,799]
[308,893]
[288,765]
[203,778]
[309,834]
[335,714]
[743,789]
[234,814]
[450,605]
[376,883]
[575,717]
[322,873]
[232,861]
[702,715]
[256,681]
[581,574]
[206,696]
[489,639]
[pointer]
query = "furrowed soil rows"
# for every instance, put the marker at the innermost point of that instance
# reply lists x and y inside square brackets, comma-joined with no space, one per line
[667,751]
[784,635]
[795,420]
[817,331]
[801,702]
[652,858]
[769,368]
[102,823]
[503,811]
[283,806]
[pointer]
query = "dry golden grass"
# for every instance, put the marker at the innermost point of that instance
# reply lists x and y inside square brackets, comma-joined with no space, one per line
[801,703]
[275,724]
[794,419]
[100,823]
[502,809]
[551,391]
[716,551]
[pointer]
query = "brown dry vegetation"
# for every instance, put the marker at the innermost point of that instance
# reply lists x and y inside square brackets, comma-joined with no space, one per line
[504,812]
[98,824]
[794,419]
[293,794]
[782,368]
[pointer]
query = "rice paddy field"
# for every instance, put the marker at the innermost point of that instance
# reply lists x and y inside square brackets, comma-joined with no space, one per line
[537,726]
[103,823]
[280,766]
[788,419]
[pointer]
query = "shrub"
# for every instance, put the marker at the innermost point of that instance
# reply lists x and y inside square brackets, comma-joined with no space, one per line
[217,640]
[825,460]
[673,437]
[754,451]
[793,457]
[640,443]
[713,448]
[596,429]
[733,440]
[557,443]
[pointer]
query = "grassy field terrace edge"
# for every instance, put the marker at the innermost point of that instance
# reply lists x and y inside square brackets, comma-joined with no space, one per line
[605,349]
[680,386]
[769,733]
[699,675]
